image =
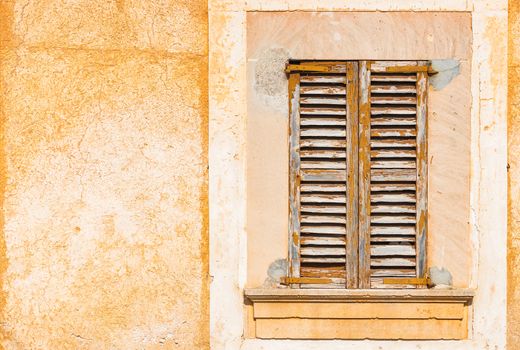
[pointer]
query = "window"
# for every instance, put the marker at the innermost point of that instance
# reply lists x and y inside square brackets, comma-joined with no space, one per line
[357,174]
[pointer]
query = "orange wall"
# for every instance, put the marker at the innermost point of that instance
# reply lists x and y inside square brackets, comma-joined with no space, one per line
[103,174]
[514,177]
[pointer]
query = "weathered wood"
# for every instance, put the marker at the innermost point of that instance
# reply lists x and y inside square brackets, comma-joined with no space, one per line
[323,209]
[381,66]
[392,197]
[394,208]
[324,198]
[392,143]
[392,186]
[325,100]
[324,111]
[323,90]
[301,280]
[327,271]
[323,175]
[337,240]
[324,229]
[392,164]
[352,175]
[322,164]
[405,132]
[324,260]
[292,68]
[392,249]
[392,110]
[329,79]
[323,187]
[393,89]
[332,143]
[392,153]
[294,176]
[321,219]
[364,175]
[393,78]
[322,121]
[393,121]
[319,251]
[395,100]
[422,172]
[317,132]
[403,262]
[326,154]
[391,175]
[393,239]
[393,230]
[391,219]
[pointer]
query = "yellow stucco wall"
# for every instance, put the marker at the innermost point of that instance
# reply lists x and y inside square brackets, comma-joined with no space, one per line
[514,177]
[103,174]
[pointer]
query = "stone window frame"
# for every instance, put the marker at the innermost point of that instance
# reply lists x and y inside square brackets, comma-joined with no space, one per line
[227,79]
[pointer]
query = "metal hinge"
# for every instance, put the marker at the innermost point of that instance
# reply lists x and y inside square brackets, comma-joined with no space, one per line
[289,68]
[305,280]
[415,281]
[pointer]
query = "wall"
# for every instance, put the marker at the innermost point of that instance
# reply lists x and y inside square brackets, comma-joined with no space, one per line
[228,169]
[513,277]
[103,174]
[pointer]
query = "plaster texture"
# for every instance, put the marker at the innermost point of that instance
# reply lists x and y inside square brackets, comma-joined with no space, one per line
[228,163]
[103,162]
[513,320]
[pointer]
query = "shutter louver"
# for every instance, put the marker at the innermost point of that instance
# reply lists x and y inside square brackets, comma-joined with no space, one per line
[392,172]
[320,148]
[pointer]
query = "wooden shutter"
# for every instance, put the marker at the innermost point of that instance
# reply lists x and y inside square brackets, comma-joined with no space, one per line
[392,171]
[323,174]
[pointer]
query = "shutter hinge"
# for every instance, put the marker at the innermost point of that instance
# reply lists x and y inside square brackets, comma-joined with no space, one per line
[289,68]
[304,280]
[415,281]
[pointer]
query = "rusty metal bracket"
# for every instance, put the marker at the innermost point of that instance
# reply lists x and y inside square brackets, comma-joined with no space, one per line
[305,280]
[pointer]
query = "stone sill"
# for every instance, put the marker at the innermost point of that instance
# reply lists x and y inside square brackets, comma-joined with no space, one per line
[349,314]
[290,294]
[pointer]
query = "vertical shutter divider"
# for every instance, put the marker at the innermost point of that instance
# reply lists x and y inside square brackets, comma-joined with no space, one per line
[352,121]
[364,174]
[294,176]
[422,175]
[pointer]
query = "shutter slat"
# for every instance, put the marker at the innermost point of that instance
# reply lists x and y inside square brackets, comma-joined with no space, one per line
[307,164]
[323,111]
[392,249]
[324,229]
[323,198]
[392,110]
[306,187]
[392,143]
[319,100]
[393,175]
[392,153]
[326,154]
[393,100]
[322,251]
[323,90]
[393,78]
[388,186]
[392,239]
[393,89]
[397,262]
[323,175]
[393,230]
[393,121]
[377,197]
[311,240]
[328,79]
[306,121]
[393,164]
[320,219]
[323,209]
[334,143]
[392,219]
[394,208]
[322,132]
[404,132]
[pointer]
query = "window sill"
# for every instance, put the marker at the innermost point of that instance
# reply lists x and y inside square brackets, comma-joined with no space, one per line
[291,294]
[418,314]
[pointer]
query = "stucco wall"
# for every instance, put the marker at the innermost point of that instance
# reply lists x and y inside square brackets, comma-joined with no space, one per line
[103,174]
[514,176]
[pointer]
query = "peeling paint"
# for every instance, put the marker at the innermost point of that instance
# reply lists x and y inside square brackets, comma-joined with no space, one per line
[446,70]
